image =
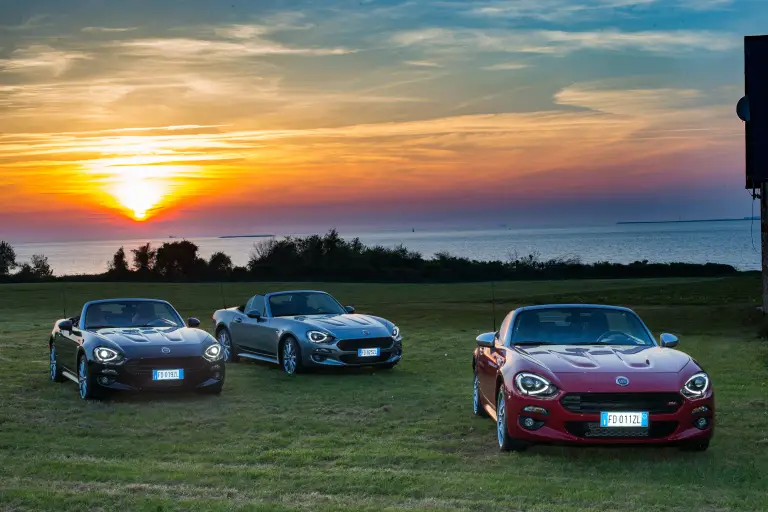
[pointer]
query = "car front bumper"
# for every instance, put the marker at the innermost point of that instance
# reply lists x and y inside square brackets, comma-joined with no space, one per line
[345,353]
[561,425]
[136,375]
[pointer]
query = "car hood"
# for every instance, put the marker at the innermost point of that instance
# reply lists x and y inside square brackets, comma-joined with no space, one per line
[347,325]
[607,359]
[146,341]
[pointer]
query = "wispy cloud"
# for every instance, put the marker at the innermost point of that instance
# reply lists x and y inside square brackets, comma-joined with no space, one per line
[506,66]
[40,57]
[107,30]
[563,42]
[423,63]
[188,47]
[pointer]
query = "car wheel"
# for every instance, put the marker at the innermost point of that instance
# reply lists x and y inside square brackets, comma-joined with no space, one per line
[506,442]
[695,446]
[85,382]
[230,349]
[477,406]
[290,357]
[55,370]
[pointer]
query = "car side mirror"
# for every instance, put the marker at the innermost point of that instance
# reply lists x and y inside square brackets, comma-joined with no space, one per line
[254,314]
[66,325]
[350,309]
[193,322]
[487,339]
[669,340]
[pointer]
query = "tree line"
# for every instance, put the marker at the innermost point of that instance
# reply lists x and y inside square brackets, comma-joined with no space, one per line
[331,258]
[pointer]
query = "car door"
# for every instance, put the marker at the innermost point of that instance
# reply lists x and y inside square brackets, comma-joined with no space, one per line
[245,330]
[67,343]
[487,368]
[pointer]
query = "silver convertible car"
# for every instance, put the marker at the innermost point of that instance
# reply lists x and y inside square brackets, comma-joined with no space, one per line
[302,328]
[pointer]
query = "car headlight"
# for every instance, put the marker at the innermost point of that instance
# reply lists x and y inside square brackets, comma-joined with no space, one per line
[319,336]
[213,352]
[532,385]
[395,331]
[696,385]
[107,355]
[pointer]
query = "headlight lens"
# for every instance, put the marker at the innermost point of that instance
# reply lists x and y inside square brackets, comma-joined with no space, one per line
[533,385]
[696,385]
[319,337]
[395,331]
[213,352]
[106,355]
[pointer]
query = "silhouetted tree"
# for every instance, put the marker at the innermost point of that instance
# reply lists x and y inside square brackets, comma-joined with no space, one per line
[220,264]
[40,267]
[7,258]
[144,258]
[119,264]
[179,259]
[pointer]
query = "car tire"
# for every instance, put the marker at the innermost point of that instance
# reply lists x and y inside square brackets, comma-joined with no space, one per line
[477,406]
[54,369]
[86,382]
[224,338]
[506,442]
[695,446]
[290,356]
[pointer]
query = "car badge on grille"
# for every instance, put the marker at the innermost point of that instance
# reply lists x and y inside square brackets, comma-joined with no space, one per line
[366,333]
[622,381]
[166,350]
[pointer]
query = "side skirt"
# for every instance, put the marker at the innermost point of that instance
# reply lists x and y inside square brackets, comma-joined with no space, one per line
[259,358]
[70,376]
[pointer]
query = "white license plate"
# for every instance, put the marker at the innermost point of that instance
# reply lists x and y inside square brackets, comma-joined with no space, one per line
[367,352]
[167,374]
[623,419]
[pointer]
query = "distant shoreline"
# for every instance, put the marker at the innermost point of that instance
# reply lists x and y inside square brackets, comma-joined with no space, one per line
[685,221]
[247,236]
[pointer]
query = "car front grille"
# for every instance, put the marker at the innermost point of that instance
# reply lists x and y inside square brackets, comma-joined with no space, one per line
[654,403]
[354,344]
[592,430]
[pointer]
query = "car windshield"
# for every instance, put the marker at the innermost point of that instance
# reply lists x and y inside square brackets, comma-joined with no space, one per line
[579,326]
[304,303]
[131,313]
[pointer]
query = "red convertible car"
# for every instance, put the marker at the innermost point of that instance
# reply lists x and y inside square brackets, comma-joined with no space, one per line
[589,374]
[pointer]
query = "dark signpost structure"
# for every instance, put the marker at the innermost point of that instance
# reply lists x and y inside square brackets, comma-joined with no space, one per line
[753,110]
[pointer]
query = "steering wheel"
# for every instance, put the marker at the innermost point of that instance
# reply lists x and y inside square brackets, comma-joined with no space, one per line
[160,322]
[608,334]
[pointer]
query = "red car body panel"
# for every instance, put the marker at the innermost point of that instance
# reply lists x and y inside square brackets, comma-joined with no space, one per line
[587,375]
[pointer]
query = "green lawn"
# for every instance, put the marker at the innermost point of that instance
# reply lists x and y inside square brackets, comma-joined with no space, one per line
[404,439]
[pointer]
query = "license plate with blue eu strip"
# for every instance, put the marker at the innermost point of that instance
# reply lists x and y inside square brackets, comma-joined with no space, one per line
[168,374]
[624,419]
[367,352]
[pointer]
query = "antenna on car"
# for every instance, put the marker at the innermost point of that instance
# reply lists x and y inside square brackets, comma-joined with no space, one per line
[223,300]
[493,305]
[64,300]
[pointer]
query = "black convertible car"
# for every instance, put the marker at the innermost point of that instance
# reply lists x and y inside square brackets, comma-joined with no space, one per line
[134,344]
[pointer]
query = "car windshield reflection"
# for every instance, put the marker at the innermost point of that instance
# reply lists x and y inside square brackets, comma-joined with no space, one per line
[131,314]
[577,326]
[304,304]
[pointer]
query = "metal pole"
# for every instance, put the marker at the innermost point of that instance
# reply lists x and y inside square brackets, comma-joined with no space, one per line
[764,241]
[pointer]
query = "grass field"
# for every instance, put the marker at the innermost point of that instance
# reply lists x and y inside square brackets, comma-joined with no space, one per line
[404,439]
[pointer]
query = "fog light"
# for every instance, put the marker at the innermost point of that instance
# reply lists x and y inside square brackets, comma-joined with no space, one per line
[536,410]
[701,423]
[700,410]
[528,422]
[104,381]
[216,375]
[318,359]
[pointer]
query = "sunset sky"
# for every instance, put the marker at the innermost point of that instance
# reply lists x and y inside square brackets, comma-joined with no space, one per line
[197,117]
